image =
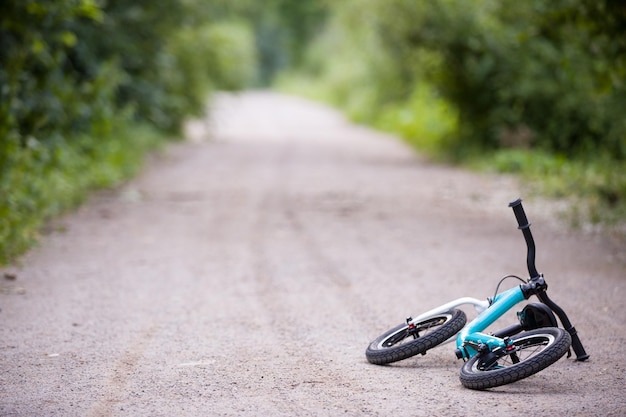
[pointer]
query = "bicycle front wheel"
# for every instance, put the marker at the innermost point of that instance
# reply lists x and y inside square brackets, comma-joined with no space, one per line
[404,341]
[528,353]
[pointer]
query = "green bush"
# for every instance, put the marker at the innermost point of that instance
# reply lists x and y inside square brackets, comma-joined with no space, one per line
[462,79]
[218,55]
[44,182]
[534,74]
[88,88]
[595,189]
[424,119]
[540,74]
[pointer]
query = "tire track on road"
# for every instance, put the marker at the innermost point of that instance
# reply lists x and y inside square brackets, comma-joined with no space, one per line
[122,373]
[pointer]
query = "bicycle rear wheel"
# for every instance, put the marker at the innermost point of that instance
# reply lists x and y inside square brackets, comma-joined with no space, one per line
[404,341]
[528,353]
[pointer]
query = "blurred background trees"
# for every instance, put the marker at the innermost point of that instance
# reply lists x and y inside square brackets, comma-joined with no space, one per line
[535,87]
[547,75]
[87,87]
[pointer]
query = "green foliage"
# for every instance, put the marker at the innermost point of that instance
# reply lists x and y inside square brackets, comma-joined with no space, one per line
[232,65]
[42,183]
[86,87]
[135,37]
[283,29]
[201,59]
[595,189]
[40,97]
[541,72]
[344,66]
[503,77]
[423,119]
[300,20]
[547,75]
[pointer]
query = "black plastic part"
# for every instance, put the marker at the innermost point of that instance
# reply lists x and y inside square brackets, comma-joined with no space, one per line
[508,331]
[524,226]
[458,353]
[534,287]
[520,215]
[489,359]
[537,315]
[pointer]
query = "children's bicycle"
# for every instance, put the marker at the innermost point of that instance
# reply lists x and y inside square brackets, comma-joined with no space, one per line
[495,359]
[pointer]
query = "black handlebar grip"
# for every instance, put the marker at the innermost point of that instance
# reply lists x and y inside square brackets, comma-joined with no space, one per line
[524,226]
[520,215]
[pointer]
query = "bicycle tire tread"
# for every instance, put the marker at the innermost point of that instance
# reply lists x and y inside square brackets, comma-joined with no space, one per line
[392,354]
[491,379]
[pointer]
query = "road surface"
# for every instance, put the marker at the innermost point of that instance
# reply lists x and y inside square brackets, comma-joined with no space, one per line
[245,271]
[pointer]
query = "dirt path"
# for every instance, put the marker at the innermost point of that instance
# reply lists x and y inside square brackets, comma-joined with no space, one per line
[245,275]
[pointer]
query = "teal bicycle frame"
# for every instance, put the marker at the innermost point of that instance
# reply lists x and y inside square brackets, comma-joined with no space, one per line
[470,339]
[527,347]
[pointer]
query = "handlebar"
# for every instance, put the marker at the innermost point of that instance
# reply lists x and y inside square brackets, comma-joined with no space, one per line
[524,226]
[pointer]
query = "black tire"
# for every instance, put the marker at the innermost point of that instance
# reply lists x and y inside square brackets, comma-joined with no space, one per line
[401,342]
[534,350]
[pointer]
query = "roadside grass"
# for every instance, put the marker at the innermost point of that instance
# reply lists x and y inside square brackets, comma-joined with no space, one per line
[594,188]
[40,183]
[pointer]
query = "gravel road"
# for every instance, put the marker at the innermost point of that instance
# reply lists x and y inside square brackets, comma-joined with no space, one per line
[245,271]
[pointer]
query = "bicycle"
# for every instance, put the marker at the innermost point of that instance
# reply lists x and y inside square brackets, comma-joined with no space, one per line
[496,359]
